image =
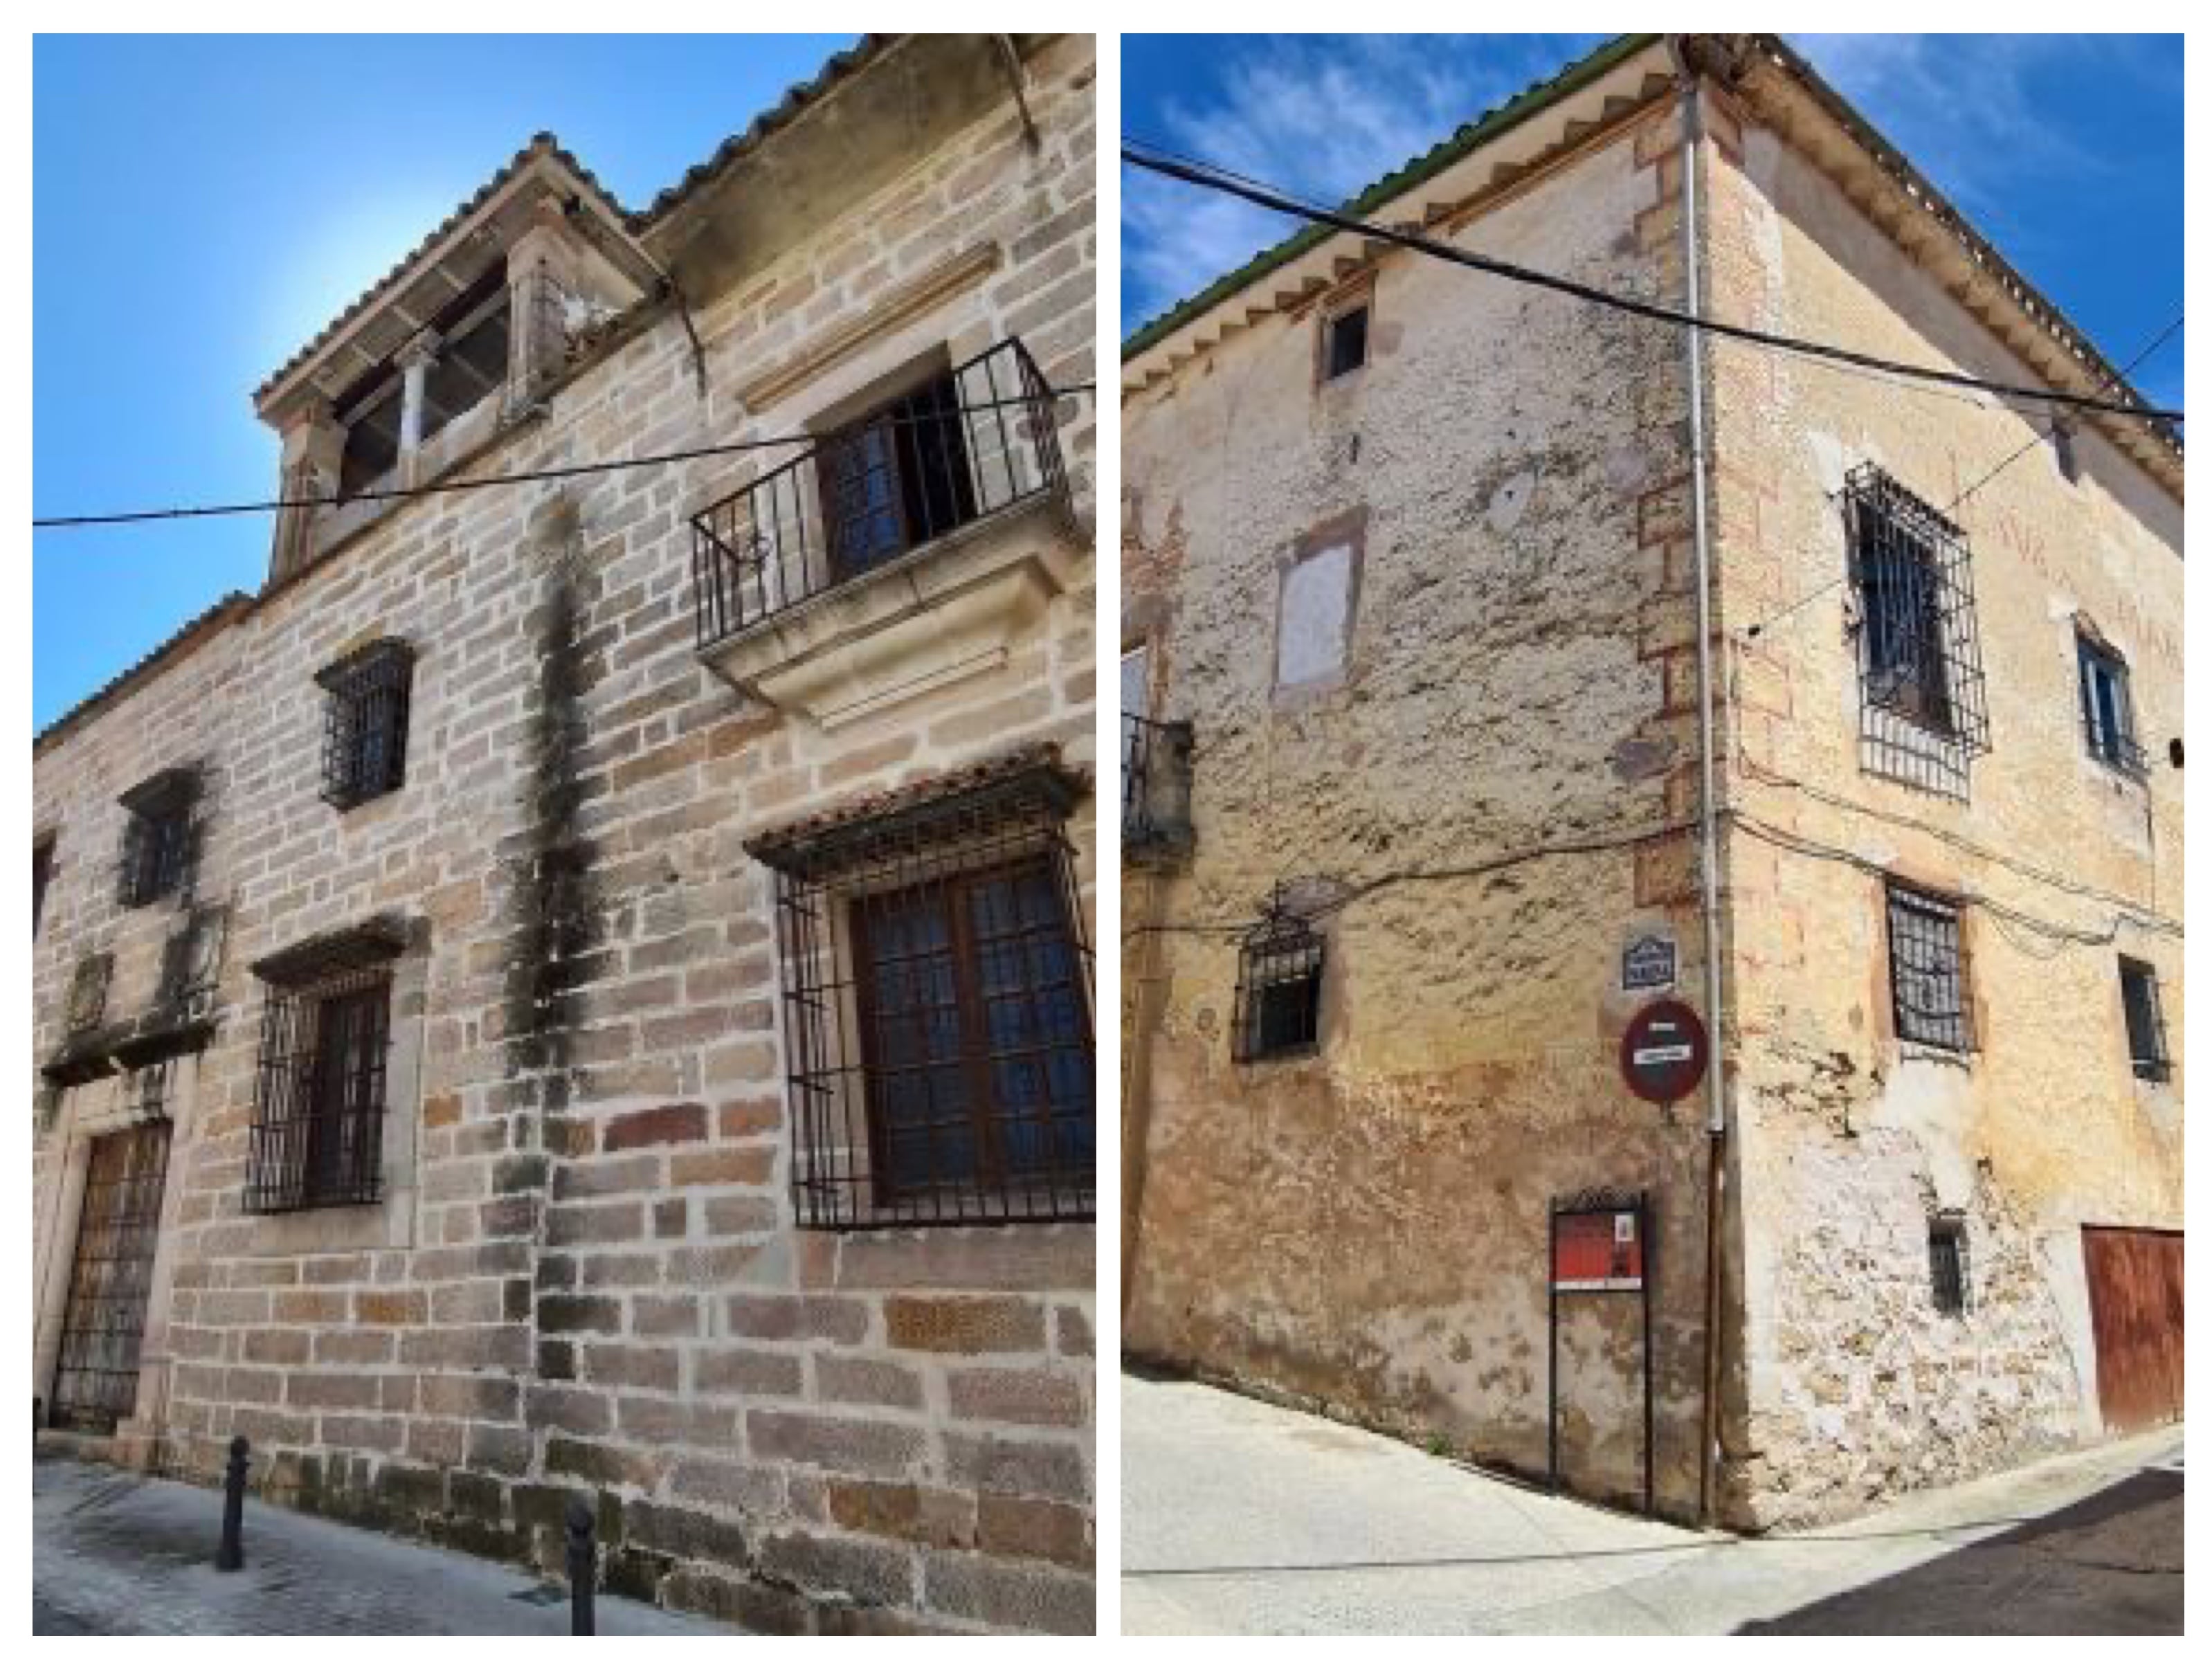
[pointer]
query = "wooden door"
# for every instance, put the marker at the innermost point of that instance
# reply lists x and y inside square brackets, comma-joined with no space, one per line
[2134,1310]
[111,1279]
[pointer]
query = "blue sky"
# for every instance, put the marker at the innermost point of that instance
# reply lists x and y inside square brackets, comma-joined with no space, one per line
[202,206]
[2065,150]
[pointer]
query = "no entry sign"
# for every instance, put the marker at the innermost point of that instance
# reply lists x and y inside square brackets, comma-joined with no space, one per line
[1663,1052]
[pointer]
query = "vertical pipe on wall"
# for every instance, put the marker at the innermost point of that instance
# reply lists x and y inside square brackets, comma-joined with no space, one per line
[1694,350]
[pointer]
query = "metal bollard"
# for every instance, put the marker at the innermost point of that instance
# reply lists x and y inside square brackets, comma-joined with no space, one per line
[583,1570]
[230,1555]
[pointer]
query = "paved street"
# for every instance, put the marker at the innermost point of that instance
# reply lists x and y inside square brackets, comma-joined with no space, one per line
[1238,1516]
[122,1554]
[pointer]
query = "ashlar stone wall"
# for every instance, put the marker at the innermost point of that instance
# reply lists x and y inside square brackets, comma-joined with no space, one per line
[585,1272]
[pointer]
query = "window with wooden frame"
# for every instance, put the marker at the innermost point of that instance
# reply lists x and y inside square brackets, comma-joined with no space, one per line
[2145,1021]
[365,722]
[896,478]
[1950,1285]
[2108,720]
[319,1098]
[1279,979]
[1928,984]
[159,837]
[937,1008]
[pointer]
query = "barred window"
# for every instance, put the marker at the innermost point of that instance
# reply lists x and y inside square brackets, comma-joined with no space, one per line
[2108,720]
[159,837]
[1278,1009]
[317,1136]
[937,1000]
[365,722]
[1928,970]
[2145,1021]
[1923,713]
[1947,1264]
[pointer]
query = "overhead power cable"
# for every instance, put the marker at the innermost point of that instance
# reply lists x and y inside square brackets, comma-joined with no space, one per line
[1205,176]
[536,476]
[1753,631]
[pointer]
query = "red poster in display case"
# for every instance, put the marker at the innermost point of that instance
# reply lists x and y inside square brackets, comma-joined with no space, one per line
[1597,1251]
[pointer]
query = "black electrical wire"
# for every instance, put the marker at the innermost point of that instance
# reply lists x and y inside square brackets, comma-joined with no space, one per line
[1208,177]
[537,476]
[1753,630]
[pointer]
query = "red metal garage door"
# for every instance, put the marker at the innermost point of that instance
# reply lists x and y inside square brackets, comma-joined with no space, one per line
[2135,1306]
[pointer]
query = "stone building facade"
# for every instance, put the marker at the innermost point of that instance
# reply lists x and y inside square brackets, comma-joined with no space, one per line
[1413,812]
[582,986]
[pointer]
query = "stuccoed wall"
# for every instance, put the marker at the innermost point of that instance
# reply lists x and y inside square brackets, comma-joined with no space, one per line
[1365,1229]
[1859,1387]
[586,1275]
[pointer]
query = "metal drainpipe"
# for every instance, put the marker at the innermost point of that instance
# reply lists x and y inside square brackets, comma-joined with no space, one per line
[1708,804]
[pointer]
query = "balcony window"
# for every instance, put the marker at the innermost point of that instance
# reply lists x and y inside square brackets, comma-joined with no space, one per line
[963,445]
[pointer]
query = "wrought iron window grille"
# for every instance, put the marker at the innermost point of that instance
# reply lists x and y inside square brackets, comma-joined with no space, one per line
[974,442]
[2146,1020]
[1950,1282]
[937,1000]
[1923,708]
[1155,786]
[365,718]
[320,1087]
[1928,984]
[2107,710]
[160,837]
[1278,980]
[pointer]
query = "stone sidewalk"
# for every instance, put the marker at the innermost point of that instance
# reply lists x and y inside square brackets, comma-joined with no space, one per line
[113,1553]
[1237,1517]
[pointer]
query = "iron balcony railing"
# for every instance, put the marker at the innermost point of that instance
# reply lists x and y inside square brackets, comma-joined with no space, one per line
[972,441]
[1155,788]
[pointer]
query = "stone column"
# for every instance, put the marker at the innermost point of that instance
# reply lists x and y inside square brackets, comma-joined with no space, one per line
[415,359]
[542,269]
[314,446]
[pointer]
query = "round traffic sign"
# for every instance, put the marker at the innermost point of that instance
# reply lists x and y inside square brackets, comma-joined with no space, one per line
[1663,1052]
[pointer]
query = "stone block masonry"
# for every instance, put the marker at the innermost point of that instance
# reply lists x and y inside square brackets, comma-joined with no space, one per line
[582,1270]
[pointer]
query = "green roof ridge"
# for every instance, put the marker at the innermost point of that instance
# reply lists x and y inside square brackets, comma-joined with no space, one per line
[1416,171]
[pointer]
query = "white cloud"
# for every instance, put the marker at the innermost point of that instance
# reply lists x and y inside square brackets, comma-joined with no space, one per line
[1321,116]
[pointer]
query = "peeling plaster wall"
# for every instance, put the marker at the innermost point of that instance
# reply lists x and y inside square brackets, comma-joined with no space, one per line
[1859,1387]
[1365,1229]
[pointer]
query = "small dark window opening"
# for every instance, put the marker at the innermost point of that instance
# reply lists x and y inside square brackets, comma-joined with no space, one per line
[937,998]
[1278,1009]
[2145,1020]
[896,478]
[1947,1264]
[1346,348]
[317,1134]
[2173,754]
[365,722]
[470,366]
[42,872]
[2062,452]
[2107,712]
[159,838]
[1928,970]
